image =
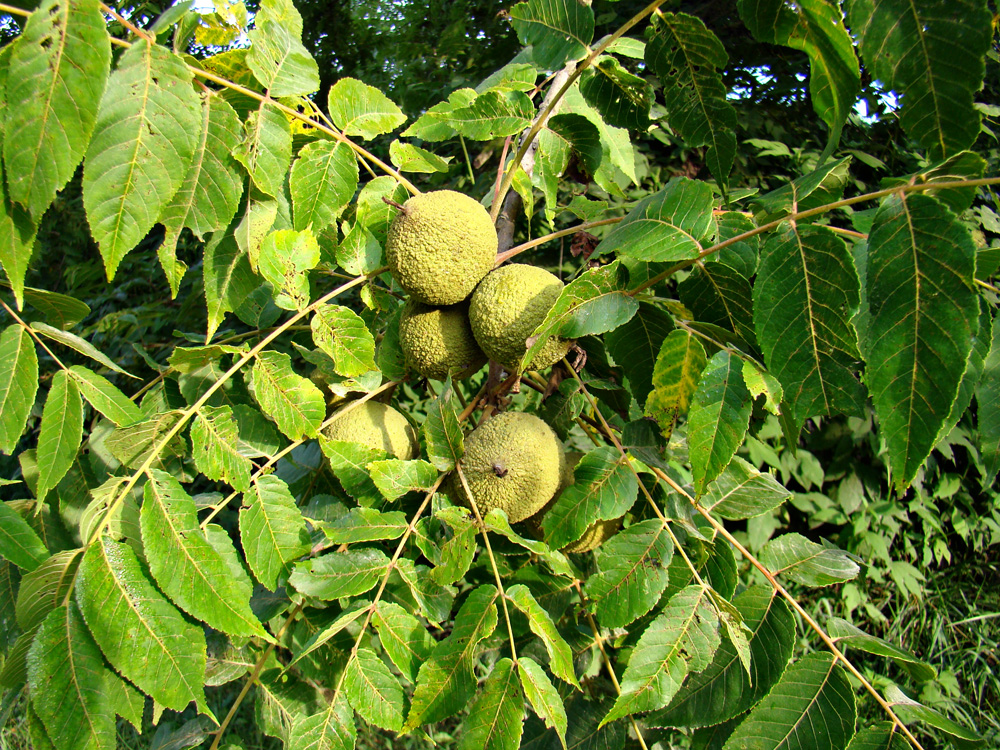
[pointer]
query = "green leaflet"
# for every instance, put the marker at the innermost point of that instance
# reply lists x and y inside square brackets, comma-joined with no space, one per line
[323,180]
[18,384]
[359,109]
[541,624]
[18,542]
[332,729]
[682,639]
[557,30]
[741,491]
[685,54]
[105,397]
[277,57]
[811,706]
[373,691]
[61,432]
[67,678]
[633,573]
[215,442]
[543,696]
[921,265]
[58,71]
[806,562]
[719,418]
[141,633]
[272,530]
[724,689]
[341,334]
[266,148]
[806,293]
[186,567]
[446,680]
[405,640]
[294,403]
[442,431]
[210,194]
[495,717]
[938,76]
[143,144]
[337,575]
[605,488]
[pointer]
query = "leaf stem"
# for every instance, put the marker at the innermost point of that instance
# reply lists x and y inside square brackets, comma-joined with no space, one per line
[776,585]
[493,561]
[807,214]
[508,254]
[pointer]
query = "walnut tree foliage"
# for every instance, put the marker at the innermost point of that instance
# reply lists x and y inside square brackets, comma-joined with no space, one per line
[166,540]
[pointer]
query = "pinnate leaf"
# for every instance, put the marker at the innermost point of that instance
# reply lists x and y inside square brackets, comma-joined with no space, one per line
[141,633]
[187,568]
[332,729]
[395,477]
[294,403]
[811,706]
[272,530]
[365,525]
[18,542]
[58,70]
[143,145]
[924,312]
[622,98]
[78,343]
[266,148]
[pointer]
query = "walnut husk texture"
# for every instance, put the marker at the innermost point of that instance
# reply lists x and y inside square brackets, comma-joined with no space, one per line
[377,426]
[507,307]
[440,245]
[438,341]
[513,461]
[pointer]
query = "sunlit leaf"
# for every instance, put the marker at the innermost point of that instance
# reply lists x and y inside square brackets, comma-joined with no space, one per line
[215,447]
[359,109]
[343,335]
[679,364]
[272,530]
[61,432]
[495,717]
[18,542]
[373,691]
[143,144]
[806,562]
[336,575]
[719,418]
[266,148]
[294,403]
[142,634]
[58,71]
[322,183]
[741,491]
[557,30]
[277,56]
[405,640]
[541,624]
[105,397]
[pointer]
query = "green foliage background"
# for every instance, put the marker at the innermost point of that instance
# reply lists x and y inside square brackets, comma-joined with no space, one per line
[800,426]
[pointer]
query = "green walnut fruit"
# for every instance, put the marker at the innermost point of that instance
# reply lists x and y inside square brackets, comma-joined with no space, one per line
[377,426]
[597,533]
[440,245]
[507,307]
[513,461]
[438,341]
